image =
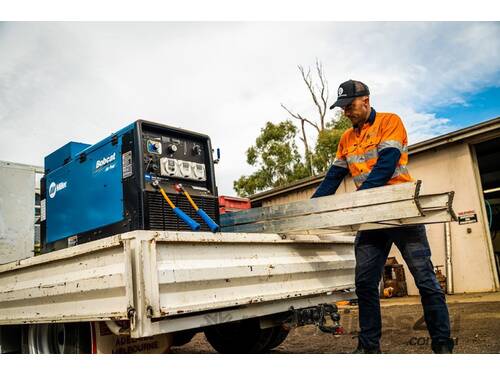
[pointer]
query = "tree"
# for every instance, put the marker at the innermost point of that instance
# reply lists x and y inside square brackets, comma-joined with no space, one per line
[320,156]
[327,143]
[319,94]
[277,158]
[275,153]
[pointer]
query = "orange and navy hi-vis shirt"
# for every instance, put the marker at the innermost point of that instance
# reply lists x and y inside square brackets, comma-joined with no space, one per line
[376,156]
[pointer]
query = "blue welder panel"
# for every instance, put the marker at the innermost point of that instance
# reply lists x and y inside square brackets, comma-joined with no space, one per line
[88,195]
[62,155]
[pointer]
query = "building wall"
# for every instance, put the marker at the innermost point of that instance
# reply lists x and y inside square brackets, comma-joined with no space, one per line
[17,208]
[450,168]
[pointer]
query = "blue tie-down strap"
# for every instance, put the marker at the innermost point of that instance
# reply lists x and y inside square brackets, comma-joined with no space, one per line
[214,227]
[192,224]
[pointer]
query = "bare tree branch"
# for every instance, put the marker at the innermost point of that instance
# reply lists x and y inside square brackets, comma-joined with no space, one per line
[303,138]
[290,112]
[298,116]
[313,124]
[323,92]
[319,93]
[308,81]
[303,121]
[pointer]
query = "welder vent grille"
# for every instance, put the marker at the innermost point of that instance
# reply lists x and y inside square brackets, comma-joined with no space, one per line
[159,215]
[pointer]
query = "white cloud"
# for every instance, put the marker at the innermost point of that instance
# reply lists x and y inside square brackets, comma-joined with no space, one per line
[82,81]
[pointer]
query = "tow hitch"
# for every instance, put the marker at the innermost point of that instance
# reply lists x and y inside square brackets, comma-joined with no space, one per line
[316,315]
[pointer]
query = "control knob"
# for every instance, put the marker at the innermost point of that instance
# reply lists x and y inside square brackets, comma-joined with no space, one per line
[196,150]
[171,148]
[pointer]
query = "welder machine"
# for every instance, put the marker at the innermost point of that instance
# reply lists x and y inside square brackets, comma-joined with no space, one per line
[146,176]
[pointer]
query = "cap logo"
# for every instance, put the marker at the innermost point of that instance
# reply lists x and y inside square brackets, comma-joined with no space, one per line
[341,91]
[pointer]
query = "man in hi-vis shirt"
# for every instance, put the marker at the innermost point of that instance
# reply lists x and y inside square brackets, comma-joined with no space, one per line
[375,152]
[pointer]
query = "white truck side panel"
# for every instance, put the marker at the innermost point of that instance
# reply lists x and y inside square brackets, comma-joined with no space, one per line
[241,269]
[143,275]
[88,282]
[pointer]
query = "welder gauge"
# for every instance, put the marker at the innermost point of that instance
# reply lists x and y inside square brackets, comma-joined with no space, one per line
[154,147]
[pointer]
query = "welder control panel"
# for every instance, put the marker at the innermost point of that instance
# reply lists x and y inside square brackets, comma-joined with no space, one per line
[175,157]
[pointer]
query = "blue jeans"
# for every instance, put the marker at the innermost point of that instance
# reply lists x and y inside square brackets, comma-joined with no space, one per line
[372,248]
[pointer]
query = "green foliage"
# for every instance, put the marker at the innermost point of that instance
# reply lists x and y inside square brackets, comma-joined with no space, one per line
[278,161]
[276,156]
[327,143]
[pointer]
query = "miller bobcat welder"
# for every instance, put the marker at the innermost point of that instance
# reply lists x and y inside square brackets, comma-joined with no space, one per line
[146,176]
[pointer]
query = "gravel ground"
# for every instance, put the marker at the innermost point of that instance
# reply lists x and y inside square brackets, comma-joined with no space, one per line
[475,328]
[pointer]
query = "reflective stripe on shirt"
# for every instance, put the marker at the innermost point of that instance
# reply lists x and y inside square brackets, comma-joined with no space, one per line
[340,163]
[370,154]
[360,178]
[400,170]
[390,144]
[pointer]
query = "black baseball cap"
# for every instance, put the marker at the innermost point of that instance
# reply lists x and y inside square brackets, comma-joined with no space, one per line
[348,91]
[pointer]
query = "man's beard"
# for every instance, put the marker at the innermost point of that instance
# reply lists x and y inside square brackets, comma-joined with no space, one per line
[359,120]
[356,123]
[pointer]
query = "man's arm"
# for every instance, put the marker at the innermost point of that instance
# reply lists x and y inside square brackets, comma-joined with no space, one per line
[384,169]
[392,144]
[332,180]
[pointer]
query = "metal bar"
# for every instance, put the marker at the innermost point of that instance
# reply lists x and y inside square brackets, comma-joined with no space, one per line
[226,238]
[369,197]
[351,216]
[449,264]
[142,291]
[435,200]
[432,216]
[494,190]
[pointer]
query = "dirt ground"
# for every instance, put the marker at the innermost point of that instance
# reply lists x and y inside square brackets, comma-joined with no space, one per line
[475,328]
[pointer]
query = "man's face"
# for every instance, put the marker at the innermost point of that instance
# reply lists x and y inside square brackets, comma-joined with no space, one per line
[358,110]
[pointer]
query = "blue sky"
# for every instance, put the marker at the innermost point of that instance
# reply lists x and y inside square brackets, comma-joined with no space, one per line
[67,81]
[481,106]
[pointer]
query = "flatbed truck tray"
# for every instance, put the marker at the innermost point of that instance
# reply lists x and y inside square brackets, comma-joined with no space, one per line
[164,282]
